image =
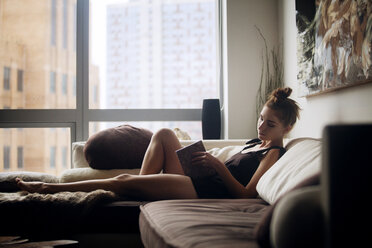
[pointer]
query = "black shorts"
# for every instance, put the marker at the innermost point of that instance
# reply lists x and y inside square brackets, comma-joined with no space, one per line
[211,188]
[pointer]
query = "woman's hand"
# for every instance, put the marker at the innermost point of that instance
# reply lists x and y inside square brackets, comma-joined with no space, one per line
[205,159]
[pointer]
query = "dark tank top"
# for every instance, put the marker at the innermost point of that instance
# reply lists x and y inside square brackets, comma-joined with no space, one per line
[243,165]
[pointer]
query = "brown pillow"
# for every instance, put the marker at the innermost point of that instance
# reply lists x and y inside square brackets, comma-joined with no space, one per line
[262,229]
[121,147]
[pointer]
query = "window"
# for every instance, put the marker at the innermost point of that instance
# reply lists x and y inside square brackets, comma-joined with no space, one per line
[193,128]
[6,157]
[20,157]
[20,80]
[6,78]
[35,149]
[52,158]
[92,63]
[160,54]
[53,22]
[50,53]
[65,23]
[64,84]
[53,78]
[64,156]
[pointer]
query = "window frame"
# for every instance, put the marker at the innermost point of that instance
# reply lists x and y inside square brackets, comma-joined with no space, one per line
[78,119]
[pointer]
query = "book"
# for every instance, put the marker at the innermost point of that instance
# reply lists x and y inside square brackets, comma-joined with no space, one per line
[185,157]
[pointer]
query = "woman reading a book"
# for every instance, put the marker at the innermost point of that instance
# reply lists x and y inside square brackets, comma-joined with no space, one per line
[236,178]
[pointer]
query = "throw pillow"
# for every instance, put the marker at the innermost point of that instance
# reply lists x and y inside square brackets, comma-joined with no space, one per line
[8,183]
[301,160]
[122,147]
[262,229]
[298,220]
[78,158]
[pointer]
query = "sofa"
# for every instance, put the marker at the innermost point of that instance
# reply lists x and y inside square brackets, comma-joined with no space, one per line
[234,222]
[313,196]
[124,221]
[292,210]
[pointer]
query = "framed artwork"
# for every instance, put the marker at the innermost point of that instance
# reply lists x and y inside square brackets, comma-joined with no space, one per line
[333,44]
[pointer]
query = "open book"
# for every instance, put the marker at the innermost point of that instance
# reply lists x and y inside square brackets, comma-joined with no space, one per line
[185,156]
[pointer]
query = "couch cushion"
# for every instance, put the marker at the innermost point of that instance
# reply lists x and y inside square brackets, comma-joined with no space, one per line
[302,160]
[201,223]
[122,147]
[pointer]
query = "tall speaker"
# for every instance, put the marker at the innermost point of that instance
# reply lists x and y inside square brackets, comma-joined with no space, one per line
[211,119]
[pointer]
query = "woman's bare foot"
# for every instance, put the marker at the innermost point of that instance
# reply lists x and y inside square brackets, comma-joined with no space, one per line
[32,187]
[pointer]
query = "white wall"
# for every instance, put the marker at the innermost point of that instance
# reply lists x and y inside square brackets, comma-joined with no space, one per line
[243,51]
[352,105]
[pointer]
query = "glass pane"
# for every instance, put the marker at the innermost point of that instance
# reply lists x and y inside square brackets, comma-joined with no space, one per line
[37,54]
[192,128]
[35,149]
[153,54]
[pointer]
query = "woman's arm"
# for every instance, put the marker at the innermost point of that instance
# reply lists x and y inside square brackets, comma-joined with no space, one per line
[235,188]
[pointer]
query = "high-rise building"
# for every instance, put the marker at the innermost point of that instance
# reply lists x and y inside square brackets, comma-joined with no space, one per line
[37,71]
[161,54]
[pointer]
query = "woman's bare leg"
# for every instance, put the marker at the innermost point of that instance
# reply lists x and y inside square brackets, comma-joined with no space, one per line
[147,187]
[160,154]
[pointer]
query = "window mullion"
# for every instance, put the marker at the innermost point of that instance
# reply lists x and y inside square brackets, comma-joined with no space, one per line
[82,69]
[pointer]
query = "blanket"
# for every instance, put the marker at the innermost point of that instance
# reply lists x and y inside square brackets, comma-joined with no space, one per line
[79,202]
[36,214]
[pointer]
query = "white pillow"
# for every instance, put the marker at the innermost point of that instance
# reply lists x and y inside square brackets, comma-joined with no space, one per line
[78,158]
[225,153]
[302,160]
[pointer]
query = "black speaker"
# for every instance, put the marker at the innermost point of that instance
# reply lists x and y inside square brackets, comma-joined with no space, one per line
[211,119]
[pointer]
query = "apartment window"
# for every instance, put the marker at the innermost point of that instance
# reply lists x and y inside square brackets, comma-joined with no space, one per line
[20,157]
[52,157]
[50,51]
[169,56]
[53,23]
[6,78]
[95,93]
[65,23]
[64,84]
[64,157]
[32,149]
[135,62]
[6,159]
[53,78]
[20,80]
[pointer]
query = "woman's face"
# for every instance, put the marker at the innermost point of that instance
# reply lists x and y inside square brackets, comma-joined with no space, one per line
[269,126]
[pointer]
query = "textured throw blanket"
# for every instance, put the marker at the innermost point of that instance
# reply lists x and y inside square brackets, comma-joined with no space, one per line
[74,202]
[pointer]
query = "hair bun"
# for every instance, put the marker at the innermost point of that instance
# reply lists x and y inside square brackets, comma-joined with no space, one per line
[281,93]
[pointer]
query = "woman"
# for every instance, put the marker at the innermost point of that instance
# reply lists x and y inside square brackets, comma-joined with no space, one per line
[237,178]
